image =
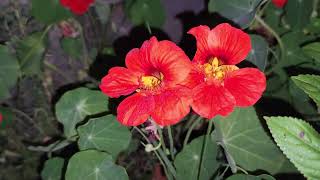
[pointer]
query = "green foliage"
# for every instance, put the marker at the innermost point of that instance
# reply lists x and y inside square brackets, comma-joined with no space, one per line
[73,47]
[250,177]
[241,12]
[7,117]
[94,165]
[259,53]
[30,52]
[188,160]
[9,72]
[299,142]
[75,105]
[103,11]
[244,138]
[53,169]
[312,50]
[310,84]
[298,13]
[49,11]
[149,12]
[104,134]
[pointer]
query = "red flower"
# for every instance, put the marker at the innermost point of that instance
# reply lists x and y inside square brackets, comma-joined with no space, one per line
[78,7]
[154,73]
[1,118]
[279,3]
[218,85]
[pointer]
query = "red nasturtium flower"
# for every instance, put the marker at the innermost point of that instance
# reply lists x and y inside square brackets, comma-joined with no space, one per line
[218,84]
[154,73]
[1,118]
[279,3]
[78,7]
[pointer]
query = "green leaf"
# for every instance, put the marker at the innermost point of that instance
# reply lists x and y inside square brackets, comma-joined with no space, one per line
[312,50]
[250,177]
[149,12]
[188,160]
[49,11]
[241,12]
[244,138]
[314,26]
[52,169]
[73,47]
[94,165]
[259,53]
[104,134]
[310,84]
[30,51]
[9,72]
[299,142]
[75,105]
[272,16]
[298,13]
[103,12]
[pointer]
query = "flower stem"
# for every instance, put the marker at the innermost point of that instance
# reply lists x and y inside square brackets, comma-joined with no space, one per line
[204,147]
[161,138]
[281,45]
[193,125]
[171,143]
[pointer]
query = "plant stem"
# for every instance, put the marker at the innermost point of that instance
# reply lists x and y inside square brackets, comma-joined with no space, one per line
[281,45]
[193,125]
[57,70]
[171,142]
[204,147]
[161,138]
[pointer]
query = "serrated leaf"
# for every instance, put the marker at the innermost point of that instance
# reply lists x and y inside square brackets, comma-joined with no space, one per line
[298,13]
[259,52]
[310,84]
[250,177]
[49,11]
[73,47]
[299,142]
[246,141]
[312,50]
[94,165]
[241,12]
[75,105]
[9,72]
[188,160]
[104,134]
[52,169]
[30,51]
[149,12]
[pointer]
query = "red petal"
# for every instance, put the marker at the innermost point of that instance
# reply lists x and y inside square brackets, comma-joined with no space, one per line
[135,62]
[65,2]
[229,44]
[135,109]
[211,100]
[119,81]
[246,85]
[279,3]
[195,77]
[201,34]
[171,106]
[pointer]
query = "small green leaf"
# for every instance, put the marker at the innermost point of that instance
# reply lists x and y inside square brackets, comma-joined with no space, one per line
[314,26]
[104,134]
[94,165]
[75,105]
[250,177]
[73,47]
[298,13]
[241,12]
[9,72]
[49,11]
[149,12]
[103,12]
[30,51]
[52,169]
[310,84]
[246,141]
[188,160]
[299,142]
[312,50]
[259,53]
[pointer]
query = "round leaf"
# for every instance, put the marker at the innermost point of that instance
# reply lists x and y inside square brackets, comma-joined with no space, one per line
[250,177]
[75,105]
[259,52]
[104,134]
[94,165]
[53,169]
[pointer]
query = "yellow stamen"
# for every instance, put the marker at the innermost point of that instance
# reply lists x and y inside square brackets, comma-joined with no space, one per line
[215,69]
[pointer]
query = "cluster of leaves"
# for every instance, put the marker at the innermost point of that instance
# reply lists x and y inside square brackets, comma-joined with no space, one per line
[284,45]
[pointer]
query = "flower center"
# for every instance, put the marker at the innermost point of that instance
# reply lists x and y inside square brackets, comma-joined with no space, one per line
[215,69]
[151,82]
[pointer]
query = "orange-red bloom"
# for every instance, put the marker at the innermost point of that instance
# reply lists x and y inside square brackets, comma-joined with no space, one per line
[218,84]
[279,3]
[154,73]
[78,7]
